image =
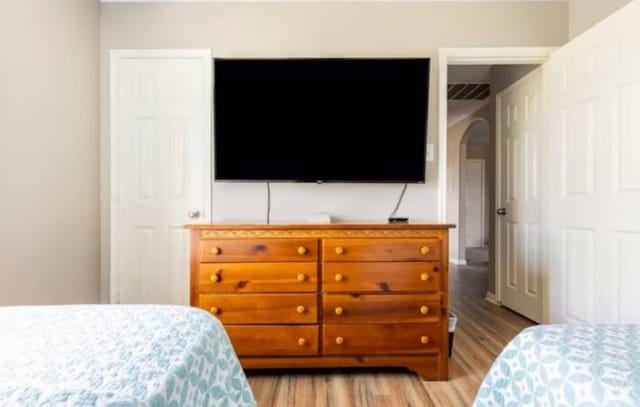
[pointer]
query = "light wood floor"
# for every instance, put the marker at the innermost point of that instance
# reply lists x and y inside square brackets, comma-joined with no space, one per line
[483,330]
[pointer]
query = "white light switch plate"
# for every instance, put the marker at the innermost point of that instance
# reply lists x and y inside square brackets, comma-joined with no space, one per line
[430,153]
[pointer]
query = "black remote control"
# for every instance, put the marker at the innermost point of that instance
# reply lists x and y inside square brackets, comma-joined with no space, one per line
[398,220]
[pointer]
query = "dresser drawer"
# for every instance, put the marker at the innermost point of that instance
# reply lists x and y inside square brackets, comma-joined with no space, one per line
[381,249]
[380,308]
[262,308]
[380,277]
[260,340]
[257,277]
[380,339]
[250,250]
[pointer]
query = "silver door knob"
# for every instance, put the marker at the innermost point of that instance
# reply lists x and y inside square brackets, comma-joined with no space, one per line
[502,211]
[193,214]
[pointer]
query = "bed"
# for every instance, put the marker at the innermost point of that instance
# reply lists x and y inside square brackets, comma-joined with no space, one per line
[117,355]
[566,365]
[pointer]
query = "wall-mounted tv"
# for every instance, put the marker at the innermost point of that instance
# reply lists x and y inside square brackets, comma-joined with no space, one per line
[321,120]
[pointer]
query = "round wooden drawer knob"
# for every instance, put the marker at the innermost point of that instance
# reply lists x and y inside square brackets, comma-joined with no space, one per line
[424,250]
[339,340]
[339,250]
[424,310]
[339,310]
[214,310]
[215,278]
[300,309]
[302,341]
[424,276]
[302,250]
[301,277]
[338,277]
[424,340]
[215,250]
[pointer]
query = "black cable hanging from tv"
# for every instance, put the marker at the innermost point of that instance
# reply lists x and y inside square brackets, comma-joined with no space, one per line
[392,217]
[268,202]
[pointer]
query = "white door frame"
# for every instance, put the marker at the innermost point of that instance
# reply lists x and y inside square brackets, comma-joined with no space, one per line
[114,57]
[474,56]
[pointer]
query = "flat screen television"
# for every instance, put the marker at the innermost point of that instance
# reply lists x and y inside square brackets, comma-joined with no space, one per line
[321,120]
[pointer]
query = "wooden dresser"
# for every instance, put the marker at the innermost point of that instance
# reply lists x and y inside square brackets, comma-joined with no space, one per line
[336,295]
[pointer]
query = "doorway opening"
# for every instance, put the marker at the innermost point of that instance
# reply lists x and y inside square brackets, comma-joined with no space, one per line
[470,128]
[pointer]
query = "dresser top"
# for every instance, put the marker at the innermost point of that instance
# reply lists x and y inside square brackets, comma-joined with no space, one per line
[320,226]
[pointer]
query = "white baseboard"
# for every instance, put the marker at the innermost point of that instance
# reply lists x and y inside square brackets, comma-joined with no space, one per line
[459,262]
[491,297]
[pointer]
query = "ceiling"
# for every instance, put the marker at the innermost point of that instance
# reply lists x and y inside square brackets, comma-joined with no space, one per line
[469,73]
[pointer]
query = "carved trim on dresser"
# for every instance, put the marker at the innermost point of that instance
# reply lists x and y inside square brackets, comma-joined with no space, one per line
[244,234]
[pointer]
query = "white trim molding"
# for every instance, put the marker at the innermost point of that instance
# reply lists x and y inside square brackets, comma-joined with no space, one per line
[457,262]
[491,297]
[332,1]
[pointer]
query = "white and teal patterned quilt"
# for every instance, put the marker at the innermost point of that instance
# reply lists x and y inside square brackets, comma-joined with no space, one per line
[118,356]
[566,365]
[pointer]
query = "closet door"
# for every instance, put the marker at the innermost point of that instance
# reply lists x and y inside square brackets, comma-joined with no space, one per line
[161,170]
[593,172]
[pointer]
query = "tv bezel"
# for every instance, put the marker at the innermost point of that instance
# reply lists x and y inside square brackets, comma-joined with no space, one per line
[330,181]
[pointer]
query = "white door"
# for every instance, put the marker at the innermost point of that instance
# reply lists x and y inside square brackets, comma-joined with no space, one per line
[518,224]
[594,174]
[161,170]
[474,209]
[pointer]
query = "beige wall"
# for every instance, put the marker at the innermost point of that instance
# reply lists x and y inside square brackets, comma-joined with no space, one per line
[323,29]
[584,14]
[479,152]
[49,151]
[483,152]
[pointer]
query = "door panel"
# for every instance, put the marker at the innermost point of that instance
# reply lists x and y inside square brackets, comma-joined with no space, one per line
[594,177]
[160,136]
[520,122]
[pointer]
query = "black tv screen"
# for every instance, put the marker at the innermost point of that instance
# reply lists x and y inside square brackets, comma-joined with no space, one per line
[321,120]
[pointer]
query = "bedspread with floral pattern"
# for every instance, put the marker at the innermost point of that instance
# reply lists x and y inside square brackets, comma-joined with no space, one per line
[566,365]
[117,355]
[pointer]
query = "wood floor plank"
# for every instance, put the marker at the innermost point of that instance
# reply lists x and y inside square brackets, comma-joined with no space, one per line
[482,332]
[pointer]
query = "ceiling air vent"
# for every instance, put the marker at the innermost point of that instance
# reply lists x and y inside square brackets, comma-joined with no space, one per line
[468,91]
